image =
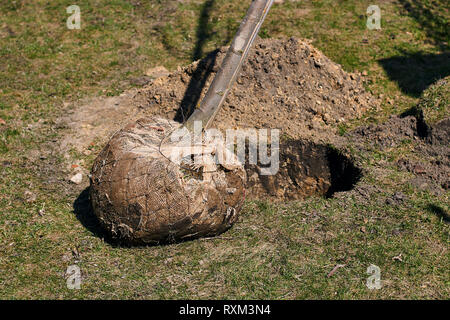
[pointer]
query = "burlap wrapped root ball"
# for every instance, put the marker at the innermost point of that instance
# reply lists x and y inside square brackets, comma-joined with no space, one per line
[142,197]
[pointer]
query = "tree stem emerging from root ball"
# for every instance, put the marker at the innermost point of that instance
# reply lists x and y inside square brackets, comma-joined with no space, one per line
[232,63]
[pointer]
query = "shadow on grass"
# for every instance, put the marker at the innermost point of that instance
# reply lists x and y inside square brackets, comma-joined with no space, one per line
[204,68]
[83,211]
[204,30]
[439,212]
[415,72]
[194,89]
[431,15]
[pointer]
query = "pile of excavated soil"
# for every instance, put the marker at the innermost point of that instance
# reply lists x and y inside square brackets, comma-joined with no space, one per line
[285,84]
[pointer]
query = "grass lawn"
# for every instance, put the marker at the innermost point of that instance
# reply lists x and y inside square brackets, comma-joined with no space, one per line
[275,251]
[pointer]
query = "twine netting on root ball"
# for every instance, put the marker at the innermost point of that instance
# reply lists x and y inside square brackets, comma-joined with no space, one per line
[142,197]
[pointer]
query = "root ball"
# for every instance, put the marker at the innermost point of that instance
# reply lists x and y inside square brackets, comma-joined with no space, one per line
[142,197]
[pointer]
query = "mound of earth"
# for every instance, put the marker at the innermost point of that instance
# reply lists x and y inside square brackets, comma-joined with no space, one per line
[432,165]
[285,84]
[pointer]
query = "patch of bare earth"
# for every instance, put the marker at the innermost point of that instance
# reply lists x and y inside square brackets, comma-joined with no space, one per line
[429,159]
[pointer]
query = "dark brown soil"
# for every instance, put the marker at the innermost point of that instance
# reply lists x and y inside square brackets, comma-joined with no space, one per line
[306,168]
[430,161]
[434,151]
[285,84]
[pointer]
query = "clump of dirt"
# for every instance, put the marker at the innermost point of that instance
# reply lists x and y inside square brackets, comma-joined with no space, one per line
[425,130]
[430,156]
[434,161]
[388,134]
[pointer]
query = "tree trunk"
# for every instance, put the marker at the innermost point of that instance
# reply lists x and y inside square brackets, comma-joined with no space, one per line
[236,55]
